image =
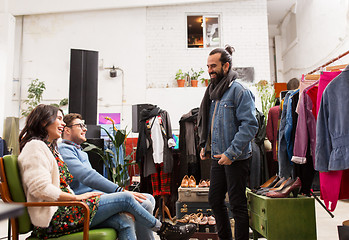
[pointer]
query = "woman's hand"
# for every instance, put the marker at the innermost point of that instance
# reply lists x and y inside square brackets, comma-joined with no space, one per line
[87,195]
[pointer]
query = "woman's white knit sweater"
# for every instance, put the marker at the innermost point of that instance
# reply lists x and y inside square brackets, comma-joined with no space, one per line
[40,178]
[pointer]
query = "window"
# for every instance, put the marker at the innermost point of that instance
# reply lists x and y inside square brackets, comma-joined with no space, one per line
[203,31]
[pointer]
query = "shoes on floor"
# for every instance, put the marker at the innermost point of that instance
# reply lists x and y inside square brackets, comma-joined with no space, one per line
[176,232]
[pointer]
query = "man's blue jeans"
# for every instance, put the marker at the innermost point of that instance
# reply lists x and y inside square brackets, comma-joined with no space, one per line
[112,204]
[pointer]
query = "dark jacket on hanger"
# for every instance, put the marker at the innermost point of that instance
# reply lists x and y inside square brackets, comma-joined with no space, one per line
[144,151]
[188,141]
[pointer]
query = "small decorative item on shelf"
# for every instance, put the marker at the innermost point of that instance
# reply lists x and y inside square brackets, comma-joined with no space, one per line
[180,77]
[194,76]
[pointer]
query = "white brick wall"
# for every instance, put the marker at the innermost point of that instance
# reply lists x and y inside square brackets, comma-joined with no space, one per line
[244,26]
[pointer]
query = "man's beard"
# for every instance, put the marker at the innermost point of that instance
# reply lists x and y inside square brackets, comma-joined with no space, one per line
[218,78]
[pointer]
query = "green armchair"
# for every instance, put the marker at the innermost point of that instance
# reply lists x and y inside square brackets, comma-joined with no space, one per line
[11,191]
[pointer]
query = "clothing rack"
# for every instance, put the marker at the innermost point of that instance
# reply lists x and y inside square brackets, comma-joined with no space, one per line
[329,62]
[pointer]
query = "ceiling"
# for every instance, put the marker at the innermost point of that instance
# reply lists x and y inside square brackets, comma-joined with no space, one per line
[277,9]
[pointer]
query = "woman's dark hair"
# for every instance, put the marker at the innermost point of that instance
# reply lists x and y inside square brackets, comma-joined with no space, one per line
[37,121]
[225,54]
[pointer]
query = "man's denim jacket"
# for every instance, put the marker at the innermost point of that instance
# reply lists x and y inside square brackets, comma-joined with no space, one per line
[235,124]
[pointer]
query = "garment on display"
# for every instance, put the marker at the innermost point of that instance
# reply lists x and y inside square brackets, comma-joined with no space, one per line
[305,143]
[190,163]
[331,152]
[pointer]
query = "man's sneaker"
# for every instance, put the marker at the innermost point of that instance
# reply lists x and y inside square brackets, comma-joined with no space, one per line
[176,232]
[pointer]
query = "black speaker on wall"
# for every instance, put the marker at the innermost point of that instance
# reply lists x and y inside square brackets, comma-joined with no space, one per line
[83,88]
[136,109]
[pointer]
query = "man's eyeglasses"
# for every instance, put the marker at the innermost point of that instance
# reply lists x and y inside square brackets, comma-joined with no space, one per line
[81,125]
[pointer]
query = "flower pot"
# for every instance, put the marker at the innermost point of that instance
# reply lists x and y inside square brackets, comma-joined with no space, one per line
[194,83]
[180,82]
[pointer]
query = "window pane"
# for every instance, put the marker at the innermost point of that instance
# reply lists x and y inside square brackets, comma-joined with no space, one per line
[212,32]
[195,33]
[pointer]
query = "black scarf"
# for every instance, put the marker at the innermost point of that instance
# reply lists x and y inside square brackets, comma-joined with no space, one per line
[213,92]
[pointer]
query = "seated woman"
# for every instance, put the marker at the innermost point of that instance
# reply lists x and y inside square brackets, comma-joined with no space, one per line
[45,177]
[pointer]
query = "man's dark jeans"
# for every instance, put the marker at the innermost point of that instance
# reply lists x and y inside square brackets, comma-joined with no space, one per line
[231,178]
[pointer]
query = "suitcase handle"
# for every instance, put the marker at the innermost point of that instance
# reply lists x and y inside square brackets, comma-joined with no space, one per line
[202,193]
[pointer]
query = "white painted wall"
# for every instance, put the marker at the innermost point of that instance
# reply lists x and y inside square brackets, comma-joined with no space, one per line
[118,36]
[244,26]
[322,30]
[148,43]
[7,33]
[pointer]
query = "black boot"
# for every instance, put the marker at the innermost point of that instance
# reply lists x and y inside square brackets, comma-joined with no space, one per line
[176,232]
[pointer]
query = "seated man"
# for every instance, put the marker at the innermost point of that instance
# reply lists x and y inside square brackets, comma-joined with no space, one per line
[86,179]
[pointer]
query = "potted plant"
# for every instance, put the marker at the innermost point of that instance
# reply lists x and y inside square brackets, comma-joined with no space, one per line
[35,91]
[206,81]
[194,76]
[267,94]
[117,170]
[180,77]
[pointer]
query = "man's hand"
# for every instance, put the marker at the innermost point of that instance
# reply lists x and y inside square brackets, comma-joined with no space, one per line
[138,196]
[223,160]
[203,156]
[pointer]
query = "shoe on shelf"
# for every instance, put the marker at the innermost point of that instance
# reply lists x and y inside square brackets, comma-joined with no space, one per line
[185,182]
[285,192]
[277,184]
[284,184]
[184,219]
[202,183]
[203,224]
[269,183]
[208,182]
[192,182]
[211,224]
[195,218]
[176,232]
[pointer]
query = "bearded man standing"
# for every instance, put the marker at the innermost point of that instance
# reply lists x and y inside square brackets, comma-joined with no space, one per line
[227,124]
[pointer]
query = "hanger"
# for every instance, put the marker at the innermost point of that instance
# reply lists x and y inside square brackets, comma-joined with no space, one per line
[329,62]
[312,77]
[336,68]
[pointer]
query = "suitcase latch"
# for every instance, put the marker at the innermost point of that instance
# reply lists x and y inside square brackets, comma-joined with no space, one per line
[184,209]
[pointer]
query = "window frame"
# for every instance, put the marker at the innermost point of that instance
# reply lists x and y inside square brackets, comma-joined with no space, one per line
[204,16]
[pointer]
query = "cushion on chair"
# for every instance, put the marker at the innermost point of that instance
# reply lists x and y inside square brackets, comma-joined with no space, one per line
[95,234]
[17,194]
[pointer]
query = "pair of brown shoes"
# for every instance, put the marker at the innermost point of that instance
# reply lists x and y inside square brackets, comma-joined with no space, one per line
[188,182]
